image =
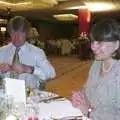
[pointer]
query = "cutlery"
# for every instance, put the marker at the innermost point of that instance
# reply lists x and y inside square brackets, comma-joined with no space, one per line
[69,118]
[47,100]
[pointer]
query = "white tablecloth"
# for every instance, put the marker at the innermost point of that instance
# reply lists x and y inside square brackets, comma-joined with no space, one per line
[54,109]
[58,108]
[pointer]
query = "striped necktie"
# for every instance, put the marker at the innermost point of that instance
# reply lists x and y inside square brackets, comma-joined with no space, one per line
[14,74]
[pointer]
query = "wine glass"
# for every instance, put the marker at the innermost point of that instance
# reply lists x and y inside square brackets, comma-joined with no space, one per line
[31,112]
[6,105]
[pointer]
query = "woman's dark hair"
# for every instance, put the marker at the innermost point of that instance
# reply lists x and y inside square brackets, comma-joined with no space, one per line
[107,30]
[17,23]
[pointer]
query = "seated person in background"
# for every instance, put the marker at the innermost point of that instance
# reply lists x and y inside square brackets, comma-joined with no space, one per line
[102,90]
[22,60]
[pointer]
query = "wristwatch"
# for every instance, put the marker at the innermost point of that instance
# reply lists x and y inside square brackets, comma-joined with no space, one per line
[32,70]
[89,111]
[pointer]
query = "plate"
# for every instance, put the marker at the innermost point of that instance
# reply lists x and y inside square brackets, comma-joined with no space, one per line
[40,95]
[56,109]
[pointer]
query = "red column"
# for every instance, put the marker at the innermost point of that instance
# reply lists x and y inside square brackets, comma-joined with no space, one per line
[84,18]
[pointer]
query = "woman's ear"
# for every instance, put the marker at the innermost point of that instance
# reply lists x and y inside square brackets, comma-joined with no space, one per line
[117,45]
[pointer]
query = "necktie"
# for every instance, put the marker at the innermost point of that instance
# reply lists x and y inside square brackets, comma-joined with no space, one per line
[14,74]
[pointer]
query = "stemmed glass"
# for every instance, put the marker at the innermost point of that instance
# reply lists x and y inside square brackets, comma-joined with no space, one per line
[6,106]
[31,112]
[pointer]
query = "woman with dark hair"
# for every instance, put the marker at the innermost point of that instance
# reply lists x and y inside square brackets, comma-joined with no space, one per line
[101,92]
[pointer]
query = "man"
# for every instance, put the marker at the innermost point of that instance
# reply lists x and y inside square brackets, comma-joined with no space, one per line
[32,65]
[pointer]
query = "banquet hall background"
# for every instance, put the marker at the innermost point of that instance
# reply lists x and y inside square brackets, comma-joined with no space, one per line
[66,43]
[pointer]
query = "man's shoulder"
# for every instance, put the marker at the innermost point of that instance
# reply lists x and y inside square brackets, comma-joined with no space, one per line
[5,47]
[34,48]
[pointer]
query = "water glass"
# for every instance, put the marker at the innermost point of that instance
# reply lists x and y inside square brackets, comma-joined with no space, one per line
[6,106]
[31,112]
[42,85]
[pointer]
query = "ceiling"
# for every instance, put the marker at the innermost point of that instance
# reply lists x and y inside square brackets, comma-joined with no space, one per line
[45,9]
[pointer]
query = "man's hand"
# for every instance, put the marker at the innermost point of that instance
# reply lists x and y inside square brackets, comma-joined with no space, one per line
[4,67]
[21,68]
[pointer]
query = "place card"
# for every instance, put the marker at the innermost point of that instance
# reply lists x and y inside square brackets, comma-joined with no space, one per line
[16,89]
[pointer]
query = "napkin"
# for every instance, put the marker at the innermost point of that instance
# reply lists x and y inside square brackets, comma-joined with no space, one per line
[57,109]
[16,89]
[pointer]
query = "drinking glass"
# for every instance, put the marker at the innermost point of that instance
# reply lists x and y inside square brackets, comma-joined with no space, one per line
[42,84]
[6,105]
[31,112]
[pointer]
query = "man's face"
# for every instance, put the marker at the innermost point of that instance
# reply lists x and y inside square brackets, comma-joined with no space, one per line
[18,38]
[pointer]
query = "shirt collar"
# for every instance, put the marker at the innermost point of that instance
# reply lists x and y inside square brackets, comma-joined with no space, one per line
[22,48]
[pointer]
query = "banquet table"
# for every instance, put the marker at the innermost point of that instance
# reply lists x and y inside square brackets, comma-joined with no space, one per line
[41,105]
[45,105]
[51,106]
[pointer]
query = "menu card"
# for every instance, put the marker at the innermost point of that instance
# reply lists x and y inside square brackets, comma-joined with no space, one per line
[16,89]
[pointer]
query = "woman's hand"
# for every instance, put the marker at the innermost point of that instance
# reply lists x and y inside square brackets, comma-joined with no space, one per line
[80,101]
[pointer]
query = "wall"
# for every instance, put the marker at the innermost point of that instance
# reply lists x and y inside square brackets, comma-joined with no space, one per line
[53,30]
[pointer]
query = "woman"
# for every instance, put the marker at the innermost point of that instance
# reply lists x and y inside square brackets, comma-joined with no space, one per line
[101,92]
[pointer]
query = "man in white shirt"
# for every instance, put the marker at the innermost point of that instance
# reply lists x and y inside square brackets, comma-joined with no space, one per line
[33,65]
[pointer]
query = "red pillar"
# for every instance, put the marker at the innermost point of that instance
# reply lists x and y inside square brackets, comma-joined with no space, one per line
[84,17]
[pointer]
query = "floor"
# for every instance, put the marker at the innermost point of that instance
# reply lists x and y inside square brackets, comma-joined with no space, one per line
[71,75]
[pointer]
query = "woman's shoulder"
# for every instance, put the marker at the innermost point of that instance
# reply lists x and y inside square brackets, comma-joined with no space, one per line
[95,64]
[118,62]
[117,65]
[95,67]
[116,73]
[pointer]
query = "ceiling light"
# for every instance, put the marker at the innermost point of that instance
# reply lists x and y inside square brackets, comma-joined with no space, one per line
[76,7]
[61,0]
[12,4]
[66,17]
[23,3]
[3,21]
[32,4]
[49,2]
[99,6]
[3,29]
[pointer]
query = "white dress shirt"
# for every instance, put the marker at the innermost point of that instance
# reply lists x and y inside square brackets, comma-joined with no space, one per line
[31,56]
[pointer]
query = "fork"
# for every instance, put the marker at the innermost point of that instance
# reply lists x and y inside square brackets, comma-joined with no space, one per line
[47,100]
[69,118]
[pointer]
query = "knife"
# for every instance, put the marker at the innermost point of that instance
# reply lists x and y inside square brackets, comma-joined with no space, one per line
[47,100]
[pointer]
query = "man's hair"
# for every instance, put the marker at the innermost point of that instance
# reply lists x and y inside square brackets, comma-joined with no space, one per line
[18,23]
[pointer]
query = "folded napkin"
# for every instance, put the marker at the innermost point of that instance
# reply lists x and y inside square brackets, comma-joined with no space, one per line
[57,109]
